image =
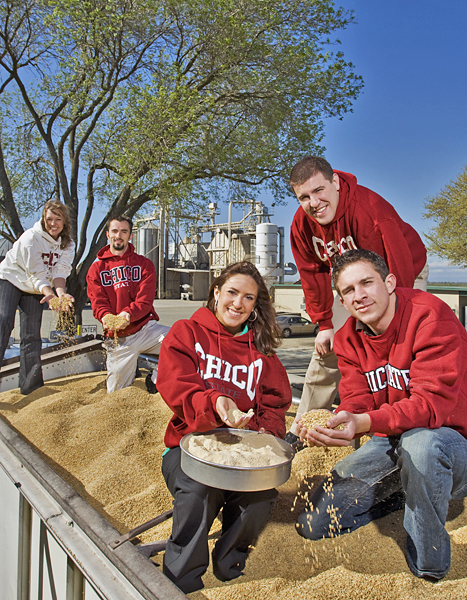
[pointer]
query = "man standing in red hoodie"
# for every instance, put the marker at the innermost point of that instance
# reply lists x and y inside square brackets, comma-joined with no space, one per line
[402,355]
[336,215]
[123,283]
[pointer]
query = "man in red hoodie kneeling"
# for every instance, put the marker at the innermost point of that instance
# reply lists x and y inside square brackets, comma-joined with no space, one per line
[402,355]
[122,284]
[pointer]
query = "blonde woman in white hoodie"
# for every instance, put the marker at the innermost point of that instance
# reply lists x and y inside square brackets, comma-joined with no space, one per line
[33,272]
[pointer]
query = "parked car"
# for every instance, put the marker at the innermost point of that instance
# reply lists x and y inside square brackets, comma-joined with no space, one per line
[296,325]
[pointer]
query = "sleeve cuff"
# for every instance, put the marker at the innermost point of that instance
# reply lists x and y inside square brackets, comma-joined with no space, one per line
[379,422]
[325,325]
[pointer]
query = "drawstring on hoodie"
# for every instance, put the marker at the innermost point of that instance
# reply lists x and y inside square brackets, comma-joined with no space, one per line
[255,383]
[323,237]
[250,350]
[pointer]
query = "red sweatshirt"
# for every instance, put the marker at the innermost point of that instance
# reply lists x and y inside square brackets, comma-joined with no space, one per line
[123,283]
[200,361]
[412,375]
[363,220]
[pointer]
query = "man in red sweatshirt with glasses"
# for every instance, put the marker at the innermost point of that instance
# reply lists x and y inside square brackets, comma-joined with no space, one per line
[336,215]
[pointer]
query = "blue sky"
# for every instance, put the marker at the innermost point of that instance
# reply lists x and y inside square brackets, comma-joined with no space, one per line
[407,136]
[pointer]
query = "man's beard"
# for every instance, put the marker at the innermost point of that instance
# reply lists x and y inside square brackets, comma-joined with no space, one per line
[118,245]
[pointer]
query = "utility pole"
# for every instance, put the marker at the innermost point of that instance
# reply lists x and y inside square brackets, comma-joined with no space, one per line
[161,291]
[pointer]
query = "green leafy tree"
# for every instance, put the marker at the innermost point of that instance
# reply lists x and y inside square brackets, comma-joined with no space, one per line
[449,210]
[109,106]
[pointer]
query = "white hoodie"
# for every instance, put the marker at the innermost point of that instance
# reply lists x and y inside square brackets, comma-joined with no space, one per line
[35,260]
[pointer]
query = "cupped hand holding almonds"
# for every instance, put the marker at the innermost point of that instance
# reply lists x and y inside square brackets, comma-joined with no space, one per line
[62,303]
[324,428]
[238,418]
[231,414]
[115,322]
[336,429]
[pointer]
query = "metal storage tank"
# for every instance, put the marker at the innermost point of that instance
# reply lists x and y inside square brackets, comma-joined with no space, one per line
[266,247]
[266,252]
[146,242]
[5,245]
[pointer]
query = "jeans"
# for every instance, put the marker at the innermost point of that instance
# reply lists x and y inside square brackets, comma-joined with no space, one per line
[30,313]
[423,469]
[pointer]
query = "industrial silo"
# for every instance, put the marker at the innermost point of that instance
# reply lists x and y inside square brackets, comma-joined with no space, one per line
[266,252]
[146,242]
[5,245]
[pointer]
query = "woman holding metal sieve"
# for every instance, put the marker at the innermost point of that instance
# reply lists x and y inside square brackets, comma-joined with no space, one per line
[219,360]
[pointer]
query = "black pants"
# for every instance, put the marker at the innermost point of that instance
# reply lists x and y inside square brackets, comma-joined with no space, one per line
[30,313]
[244,515]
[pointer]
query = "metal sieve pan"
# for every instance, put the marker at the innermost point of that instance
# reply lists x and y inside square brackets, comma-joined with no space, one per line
[242,479]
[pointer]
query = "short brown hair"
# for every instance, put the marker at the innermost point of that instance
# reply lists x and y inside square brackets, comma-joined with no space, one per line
[119,218]
[350,257]
[308,167]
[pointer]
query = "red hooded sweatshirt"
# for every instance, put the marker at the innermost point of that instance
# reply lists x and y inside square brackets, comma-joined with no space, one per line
[123,283]
[363,220]
[200,361]
[412,375]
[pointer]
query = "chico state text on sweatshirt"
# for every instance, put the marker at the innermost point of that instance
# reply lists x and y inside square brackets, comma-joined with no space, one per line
[200,361]
[363,220]
[412,375]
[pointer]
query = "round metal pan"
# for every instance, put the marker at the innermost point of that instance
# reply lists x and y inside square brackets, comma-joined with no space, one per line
[242,479]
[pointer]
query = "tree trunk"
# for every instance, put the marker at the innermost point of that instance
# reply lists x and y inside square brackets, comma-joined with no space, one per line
[76,286]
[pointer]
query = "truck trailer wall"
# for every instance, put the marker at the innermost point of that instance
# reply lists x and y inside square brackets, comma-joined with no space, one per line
[55,546]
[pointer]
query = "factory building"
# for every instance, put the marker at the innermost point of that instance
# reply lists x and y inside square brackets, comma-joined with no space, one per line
[187,263]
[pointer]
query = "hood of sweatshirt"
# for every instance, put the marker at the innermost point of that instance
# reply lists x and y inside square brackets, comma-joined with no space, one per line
[347,188]
[105,253]
[208,320]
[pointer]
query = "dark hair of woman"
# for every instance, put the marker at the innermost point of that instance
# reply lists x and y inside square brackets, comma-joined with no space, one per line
[267,334]
[59,209]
